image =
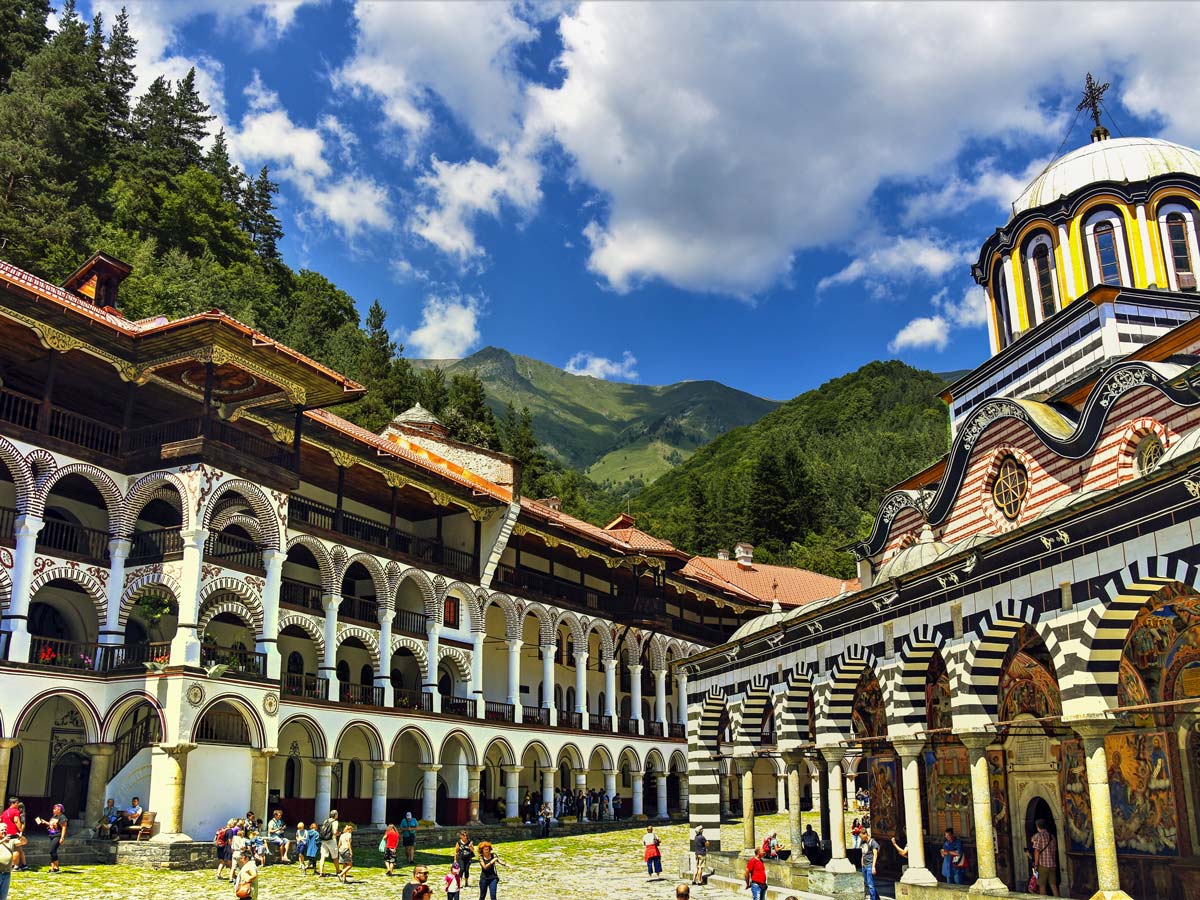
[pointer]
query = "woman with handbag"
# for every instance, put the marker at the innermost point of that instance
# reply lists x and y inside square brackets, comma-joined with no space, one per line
[651,853]
[247,877]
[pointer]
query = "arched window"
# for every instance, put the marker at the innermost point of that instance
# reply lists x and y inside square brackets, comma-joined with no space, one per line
[1004,331]
[295,663]
[343,671]
[570,699]
[291,777]
[1177,226]
[1043,269]
[1177,235]
[397,679]
[353,778]
[1104,244]
[366,675]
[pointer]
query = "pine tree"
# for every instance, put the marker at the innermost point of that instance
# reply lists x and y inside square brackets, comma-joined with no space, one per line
[116,68]
[218,164]
[432,392]
[467,415]
[259,211]
[191,119]
[24,31]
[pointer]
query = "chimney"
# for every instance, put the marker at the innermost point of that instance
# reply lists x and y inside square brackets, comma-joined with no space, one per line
[553,502]
[722,553]
[97,279]
[745,554]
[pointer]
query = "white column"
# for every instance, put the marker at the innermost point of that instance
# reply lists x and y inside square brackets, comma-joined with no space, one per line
[610,788]
[681,682]
[118,552]
[17,620]
[168,781]
[379,784]
[981,805]
[581,785]
[635,696]
[910,752]
[1068,265]
[1012,294]
[185,646]
[1147,248]
[834,756]
[581,661]
[473,773]
[429,786]
[660,782]
[637,794]
[433,631]
[477,673]
[512,791]
[660,698]
[748,839]
[383,676]
[547,651]
[548,773]
[1108,872]
[514,678]
[328,669]
[781,797]
[268,641]
[324,783]
[610,692]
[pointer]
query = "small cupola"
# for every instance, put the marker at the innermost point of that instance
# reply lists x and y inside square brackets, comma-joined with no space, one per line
[97,279]
[744,551]
[418,418]
[722,553]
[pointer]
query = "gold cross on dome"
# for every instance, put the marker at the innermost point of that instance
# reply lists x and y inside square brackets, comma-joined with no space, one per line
[1092,94]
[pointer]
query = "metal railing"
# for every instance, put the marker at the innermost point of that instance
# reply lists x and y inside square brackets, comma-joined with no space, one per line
[459,706]
[301,593]
[134,656]
[535,715]
[654,729]
[72,539]
[360,694]
[229,549]
[246,661]
[137,736]
[410,622]
[627,726]
[569,719]
[221,727]
[155,545]
[600,723]
[676,731]
[495,711]
[60,654]
[420,701]
[311,687]
[361,609]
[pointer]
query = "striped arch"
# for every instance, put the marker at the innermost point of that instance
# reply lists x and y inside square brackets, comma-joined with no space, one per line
[309,626]
[512,615]
[546,625]
[42,466]
[5,588]
[457,662]
[113,498]
[268,518]
[251,600]
[90,583]
[836,711]
[233,607]
[368,638]
[748,736]
[1107,625]
[704,766]
[466,594]
[907,700]
[232,516]
[602,628]
[792,719]
[991,641]
[418,651]
[321,555]
[311,727]
[20,473]
[634,641]
[429,593]
[140,583]
[144,490]
[374,569]
[704,723]
[122,705]
[658,652]
[574,628]
[337,559]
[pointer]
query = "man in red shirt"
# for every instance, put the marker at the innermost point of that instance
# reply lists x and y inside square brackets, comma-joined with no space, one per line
[756,876]
[11,817]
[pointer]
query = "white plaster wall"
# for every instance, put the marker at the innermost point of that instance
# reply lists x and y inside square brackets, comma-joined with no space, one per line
[132,781]
[218,787]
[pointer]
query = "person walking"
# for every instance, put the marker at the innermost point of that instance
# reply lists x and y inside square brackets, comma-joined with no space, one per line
[756,876]
[489,870]
[56,827]
[14,827]
[391,843]
[237,843]
[464,852]
[810,843]
[1045,859]
[953,858]
[330,829]
[420,875]
[651,853]
[9,844]
[700,849]
[312,848]
[870,854]
[408,835]
[345,853]
[247,877]
[452,884]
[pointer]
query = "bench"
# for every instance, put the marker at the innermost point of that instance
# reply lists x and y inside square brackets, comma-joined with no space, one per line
[142,828]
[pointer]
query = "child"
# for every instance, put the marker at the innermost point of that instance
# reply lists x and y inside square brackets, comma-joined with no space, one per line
[452,883]
[237,844]
[345,854]
[301,840]
[259,845]
[312,846]
[221,840]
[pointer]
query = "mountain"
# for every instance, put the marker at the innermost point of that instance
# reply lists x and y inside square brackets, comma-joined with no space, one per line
[614,431]
[806,478]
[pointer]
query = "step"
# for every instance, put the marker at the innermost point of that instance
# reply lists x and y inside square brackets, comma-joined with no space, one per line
[77,852]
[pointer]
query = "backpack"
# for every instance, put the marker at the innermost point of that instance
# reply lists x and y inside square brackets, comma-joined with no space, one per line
[327,830]
[219,837]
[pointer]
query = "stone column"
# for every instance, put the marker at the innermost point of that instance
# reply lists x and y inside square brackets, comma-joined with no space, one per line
[433,632]
[910,751]
[477,675]
[547,651]
[795,830]
[6,746]
[185,646]
[724,788]
[429,786]
[110,632]
[268,641]
[781,794]
[260,762]
[1108,876]
[684,793]
[660,698]
[581,685]
[821,801]
[660,782]
[383,675]
[102,757]
[548,773]
[512,791]
[635,697]
[473,773]
[637,794]
[838,863]
[328,669]
[514,678]
[168,780]
[610,693]
[16,620]
[681,682]
[324,785]
[981,805]
[610,788]
[379,788]
[748,841]
[581,785]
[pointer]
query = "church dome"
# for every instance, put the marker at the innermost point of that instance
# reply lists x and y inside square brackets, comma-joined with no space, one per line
[1117,159]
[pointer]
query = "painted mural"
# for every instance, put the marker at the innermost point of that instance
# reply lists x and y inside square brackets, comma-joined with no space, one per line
[1027,688]
[1161,662]
[1001,821]
[869,716]
[885,796]
[1140,782]
[947,781]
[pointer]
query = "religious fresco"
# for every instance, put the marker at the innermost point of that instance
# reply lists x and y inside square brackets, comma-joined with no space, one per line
[885,796]
[1140,783]
[869,716]
[947,781]
[1077,809]
[1001,821]
[1028,688]
[937,698]
[1161,661]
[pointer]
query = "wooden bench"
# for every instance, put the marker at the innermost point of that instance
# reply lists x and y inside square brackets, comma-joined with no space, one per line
[142,828]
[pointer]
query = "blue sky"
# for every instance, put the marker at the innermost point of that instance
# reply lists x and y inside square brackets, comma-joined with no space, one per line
[769,196]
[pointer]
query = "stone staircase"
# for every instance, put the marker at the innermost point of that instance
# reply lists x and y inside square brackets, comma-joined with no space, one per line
[77,852]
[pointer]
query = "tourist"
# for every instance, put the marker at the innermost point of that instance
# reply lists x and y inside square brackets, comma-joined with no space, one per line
[13,829]
[953,858]
[682,891]
[544,820]
[810,842]
[133,815]
[276,836]
[390,842]
[312,846]
[700,848]
[651,853]
[464,852]
[252,822]
[452,884]
[329,835]
[617,806]
[301,840]
[870,854]
[237,845]
[1045,859]
[756,876]
[856,831]
[903,851]
[408,835]
[221,839]
[9,844]
[420,874]
[56,827]
[259,844]
[345,853]
[421,892]
[489,870]
[771,846]
[109,817]
[527,808]
[605,810]
[247,877]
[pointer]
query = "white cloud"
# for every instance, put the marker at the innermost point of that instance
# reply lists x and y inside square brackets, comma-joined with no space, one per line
[969,311]
[624,369]
[923,333]
[899,259]
[933,332]
[449,327]
[987,183]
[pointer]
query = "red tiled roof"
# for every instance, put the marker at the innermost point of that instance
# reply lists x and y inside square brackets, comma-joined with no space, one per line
[792,587]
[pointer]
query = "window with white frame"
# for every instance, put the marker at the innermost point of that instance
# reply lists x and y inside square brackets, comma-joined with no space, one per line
[1177,226]
[1104,237]
[1000,302]
[1041,280]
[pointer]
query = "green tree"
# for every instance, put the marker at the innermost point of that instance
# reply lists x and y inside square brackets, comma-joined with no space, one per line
[24,31]
[118,79]
[195,218]
[432,392]
[261,222]
[467,415]
[218,164]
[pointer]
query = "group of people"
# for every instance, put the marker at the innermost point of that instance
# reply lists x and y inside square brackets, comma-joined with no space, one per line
[459,875]
[114,820]
[591,804]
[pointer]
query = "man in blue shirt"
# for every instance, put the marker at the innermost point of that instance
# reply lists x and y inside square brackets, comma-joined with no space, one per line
[952,858]
[408,835]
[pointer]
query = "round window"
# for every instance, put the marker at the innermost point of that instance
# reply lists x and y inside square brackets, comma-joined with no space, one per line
[1148,453]
[1010,487]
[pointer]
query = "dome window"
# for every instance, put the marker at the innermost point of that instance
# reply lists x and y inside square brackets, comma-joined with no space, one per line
[1177,234]
[1010,487]
[1148,454]
[1105,241]
[1043,271]
[1000,302]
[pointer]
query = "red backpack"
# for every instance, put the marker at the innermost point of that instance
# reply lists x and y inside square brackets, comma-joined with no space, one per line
[219,837]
